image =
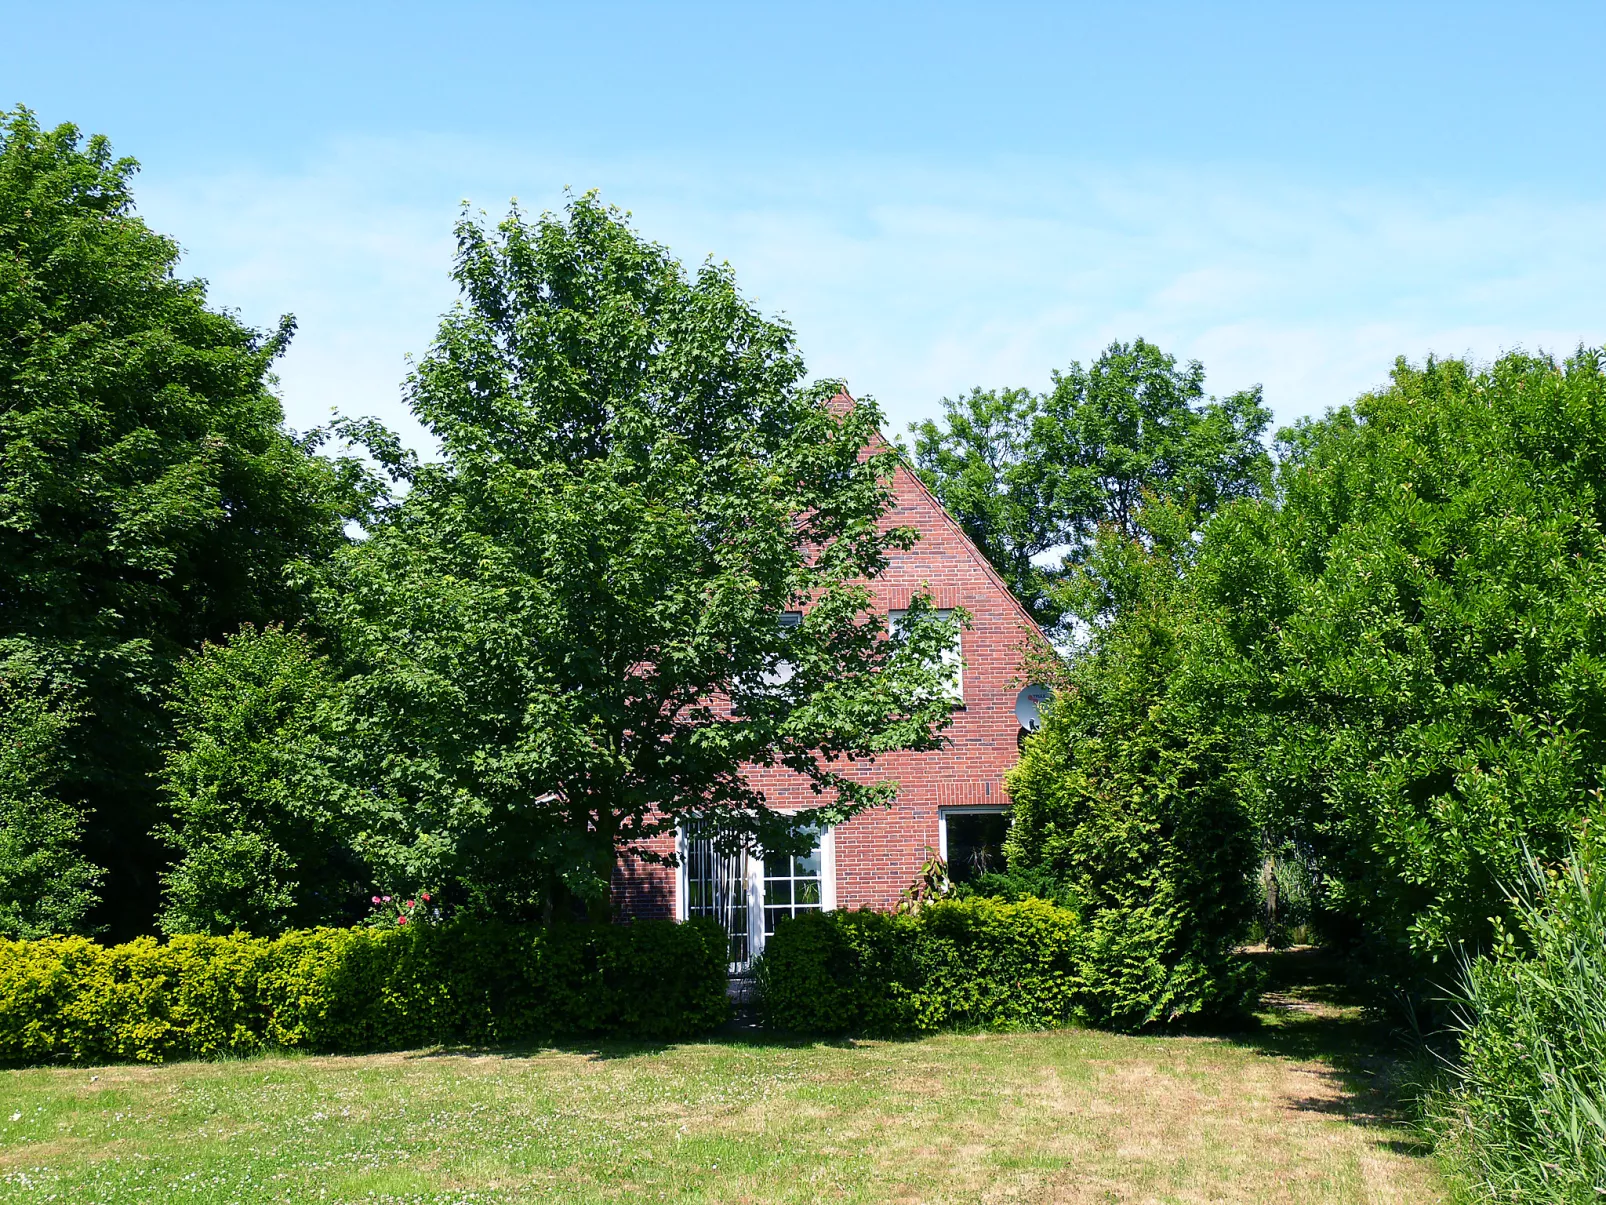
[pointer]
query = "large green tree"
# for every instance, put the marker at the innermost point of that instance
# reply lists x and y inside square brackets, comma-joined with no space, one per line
[1032,477]
[1395,665]
[575,630]
[1422,619]
[150,497]
[571,631]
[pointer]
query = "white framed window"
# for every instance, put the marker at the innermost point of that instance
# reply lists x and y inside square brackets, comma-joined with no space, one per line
[793,883]
[953,660]
[971,840]
[781,672]
[748,893]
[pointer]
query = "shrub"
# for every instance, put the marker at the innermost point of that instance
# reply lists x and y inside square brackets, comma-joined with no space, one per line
[979,963]
[1526,1119]
[263,826]
[1129,801]
[1034,883]
[351,990]
[835,972]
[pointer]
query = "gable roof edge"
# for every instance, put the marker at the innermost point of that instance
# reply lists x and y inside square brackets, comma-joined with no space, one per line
[975,553]
[840,403]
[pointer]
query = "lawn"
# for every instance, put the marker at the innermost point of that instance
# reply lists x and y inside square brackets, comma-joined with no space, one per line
[1288,1111]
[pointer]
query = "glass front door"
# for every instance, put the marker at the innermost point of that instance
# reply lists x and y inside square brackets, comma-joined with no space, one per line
[717,888]
[748,896]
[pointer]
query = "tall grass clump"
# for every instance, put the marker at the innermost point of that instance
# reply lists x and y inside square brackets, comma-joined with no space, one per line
[1525,1118]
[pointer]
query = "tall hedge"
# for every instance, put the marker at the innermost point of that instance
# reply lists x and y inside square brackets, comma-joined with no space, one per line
[353,990]
[1421,618]
[1133,800]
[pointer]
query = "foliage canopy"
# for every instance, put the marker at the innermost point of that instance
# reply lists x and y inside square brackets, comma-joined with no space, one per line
[1394,664]
[1422,621]
[150,497]
[1031,475]
[569,634]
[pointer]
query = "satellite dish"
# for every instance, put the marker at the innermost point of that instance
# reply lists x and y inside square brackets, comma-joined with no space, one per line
[1028,706]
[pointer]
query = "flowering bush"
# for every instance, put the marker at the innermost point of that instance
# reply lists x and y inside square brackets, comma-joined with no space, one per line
[393,912]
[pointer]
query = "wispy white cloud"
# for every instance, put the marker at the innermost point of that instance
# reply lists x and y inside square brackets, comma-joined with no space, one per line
[914,282]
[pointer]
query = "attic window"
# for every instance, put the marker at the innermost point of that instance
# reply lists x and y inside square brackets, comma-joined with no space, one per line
[952,657]
[781,672]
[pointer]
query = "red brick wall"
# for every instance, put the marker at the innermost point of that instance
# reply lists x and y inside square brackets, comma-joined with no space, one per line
[879,852]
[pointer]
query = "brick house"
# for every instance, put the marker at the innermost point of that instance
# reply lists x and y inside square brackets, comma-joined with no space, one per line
[950,801]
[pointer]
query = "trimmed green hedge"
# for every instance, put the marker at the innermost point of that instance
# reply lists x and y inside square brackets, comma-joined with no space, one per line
[349,990]
[975,963]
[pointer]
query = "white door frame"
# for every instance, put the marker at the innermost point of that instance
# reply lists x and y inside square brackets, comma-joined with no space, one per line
[755,883]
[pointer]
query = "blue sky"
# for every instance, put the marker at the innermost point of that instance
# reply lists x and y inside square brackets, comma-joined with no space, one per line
[937,196]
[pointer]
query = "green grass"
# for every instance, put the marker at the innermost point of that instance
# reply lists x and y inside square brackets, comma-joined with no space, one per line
[1289,1111]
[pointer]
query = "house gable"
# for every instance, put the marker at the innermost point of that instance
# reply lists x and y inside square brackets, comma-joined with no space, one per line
[876,854]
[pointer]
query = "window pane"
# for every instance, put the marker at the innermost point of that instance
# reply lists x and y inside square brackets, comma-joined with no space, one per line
[952,660]
[808,864]
[808,892]
[975,844]
[777,891]
[777,866]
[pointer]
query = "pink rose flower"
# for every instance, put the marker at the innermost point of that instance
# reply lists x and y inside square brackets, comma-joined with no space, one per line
[376,899]
[401,920]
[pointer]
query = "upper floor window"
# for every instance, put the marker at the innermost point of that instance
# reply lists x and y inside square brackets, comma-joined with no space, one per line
[953,662]
[780,673]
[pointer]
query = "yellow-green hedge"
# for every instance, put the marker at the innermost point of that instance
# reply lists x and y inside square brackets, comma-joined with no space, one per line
[348,990]
[976,963]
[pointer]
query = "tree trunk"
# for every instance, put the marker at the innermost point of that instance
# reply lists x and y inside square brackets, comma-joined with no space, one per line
[599,908]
